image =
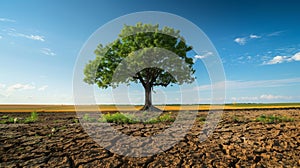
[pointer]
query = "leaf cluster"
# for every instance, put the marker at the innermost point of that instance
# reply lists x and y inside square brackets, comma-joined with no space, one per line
[135,52]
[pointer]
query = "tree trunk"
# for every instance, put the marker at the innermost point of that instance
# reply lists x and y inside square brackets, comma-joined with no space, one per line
[148,100]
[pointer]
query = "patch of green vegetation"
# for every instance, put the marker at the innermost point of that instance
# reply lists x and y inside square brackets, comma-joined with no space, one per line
[152,121]
[201,119]
[33,118]
[118,118]
[75,120]
[8,120]
[163,118]
[122,118]
[166,118]
[11,120]
[273,119]
[5,117]
[237,119]
[86,117]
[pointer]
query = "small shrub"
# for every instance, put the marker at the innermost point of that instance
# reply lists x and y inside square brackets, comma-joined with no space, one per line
[163,118]
[287,119]
[166,118]
[201,119]
[7,120]
[87,118]
[33,118]
[273,119]
[11,120]
[5,117]
[237,119]
[121,118]
[75,120]
[152,121]
[118,118]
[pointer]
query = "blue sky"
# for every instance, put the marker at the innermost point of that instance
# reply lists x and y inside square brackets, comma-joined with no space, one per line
[258,42]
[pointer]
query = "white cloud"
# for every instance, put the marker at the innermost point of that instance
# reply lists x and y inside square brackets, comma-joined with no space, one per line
[243,59]
[245,39]
[253,36]
[204,55]
[233,85]
[261,97]
[240,40]
[32,37]
[277,60]
[273,97]
[12,32]
[296,57]
[6,20]
[47,51]
[245,98]
[20,86]
[36,37]
[1,37]
[277,33]
[43,88]
[281,59]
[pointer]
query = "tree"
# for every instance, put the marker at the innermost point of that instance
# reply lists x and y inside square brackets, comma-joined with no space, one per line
[145,54]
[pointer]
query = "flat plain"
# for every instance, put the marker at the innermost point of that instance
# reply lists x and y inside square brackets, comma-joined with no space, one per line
[240,139]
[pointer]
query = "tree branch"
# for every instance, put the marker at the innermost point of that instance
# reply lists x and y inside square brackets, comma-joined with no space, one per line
[154,75]
[139,76]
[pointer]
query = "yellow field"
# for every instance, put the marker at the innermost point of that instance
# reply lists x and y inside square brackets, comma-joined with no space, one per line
[112,108]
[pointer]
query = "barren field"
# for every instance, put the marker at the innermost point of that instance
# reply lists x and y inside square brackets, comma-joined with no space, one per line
[240,140]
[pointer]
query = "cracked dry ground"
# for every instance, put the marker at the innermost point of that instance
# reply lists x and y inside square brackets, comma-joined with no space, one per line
[232,144]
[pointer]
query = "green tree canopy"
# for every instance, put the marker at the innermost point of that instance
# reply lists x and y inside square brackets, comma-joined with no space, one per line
[144,54]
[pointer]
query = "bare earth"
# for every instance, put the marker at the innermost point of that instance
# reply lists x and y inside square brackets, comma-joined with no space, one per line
[242,143]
